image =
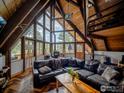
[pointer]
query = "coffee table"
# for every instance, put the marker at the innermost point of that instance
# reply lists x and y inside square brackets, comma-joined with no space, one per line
[75,86]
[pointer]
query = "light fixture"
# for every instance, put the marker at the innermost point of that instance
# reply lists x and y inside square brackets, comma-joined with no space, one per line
[68,15]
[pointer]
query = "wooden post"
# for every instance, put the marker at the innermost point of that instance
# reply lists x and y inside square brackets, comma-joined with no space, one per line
[53,13]
[35,39]
[44,33]
[86,24]
[8,61]
[23,51]
[51,30]
[64,36]
[75,44]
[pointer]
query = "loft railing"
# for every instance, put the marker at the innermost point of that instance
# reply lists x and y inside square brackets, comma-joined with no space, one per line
[111,17]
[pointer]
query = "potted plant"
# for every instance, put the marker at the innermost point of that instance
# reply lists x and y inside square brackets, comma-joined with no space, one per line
[73,73]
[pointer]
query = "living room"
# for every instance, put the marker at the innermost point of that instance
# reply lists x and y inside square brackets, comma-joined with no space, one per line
[61,46]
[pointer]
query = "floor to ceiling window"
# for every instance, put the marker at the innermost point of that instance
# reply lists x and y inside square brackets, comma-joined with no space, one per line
[16,51]
[49,33]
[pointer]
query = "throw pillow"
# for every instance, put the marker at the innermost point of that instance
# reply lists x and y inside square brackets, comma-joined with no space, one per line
[101,68]
[44,70]
[109,73]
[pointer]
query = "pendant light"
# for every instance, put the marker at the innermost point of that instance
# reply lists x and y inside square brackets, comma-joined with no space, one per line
[68,15]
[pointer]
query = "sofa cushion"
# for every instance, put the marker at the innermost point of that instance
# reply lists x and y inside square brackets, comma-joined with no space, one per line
[80,63]
[101,68]
[121,82]
[55,64]
[48,75]
[98,79]
[114,82]
[92,66]
[40,63]
[44,70]
[58,64]
[59,71]
[84,73]
[72,63]
[109,73]
[64,62]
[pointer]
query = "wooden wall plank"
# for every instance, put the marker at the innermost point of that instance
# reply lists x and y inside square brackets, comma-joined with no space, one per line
[3,11]
[16,20]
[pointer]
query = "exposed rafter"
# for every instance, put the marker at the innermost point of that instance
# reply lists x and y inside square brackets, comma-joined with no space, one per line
[96,36]
[94,46]
[41,6]
[16,20]
[73,2]
[75,28]
[97,8]
[60,7]
[80,2]
[91,2]
[106,44]
[79,32]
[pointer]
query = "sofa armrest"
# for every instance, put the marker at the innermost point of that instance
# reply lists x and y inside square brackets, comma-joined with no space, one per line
[36,78]
[35,71]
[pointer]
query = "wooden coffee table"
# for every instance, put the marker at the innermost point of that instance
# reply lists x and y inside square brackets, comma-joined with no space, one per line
[73,87]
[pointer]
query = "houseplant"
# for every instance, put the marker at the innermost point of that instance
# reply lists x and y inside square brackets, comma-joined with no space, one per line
[73,73]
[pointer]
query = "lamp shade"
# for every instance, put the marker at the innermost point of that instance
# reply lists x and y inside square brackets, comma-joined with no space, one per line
[70,47]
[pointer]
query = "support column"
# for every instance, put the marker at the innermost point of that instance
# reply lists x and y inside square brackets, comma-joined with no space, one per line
[44,33]
[51,44]
[8,61]
[23,51]
[35,40]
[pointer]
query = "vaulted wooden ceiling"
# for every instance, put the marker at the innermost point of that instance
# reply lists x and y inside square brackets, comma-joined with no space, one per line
[8,7]
[105,20]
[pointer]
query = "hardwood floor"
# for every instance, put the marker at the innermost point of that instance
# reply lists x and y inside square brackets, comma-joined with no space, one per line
[23,83]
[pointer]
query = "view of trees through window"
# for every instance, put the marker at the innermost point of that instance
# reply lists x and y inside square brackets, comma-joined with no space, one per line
[16,51]
[29,48]
[52,34]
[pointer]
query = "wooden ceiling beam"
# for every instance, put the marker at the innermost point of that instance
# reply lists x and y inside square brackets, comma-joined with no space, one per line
[60,7]
[107,45]
[76,29]
[79,32]
[73,3]
[80,2]
[41,6]
[94,46]
[91,2]
[98,12]
[16,20]
[96,36]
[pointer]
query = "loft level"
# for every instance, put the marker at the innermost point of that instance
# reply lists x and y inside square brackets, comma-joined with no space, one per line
[111,17]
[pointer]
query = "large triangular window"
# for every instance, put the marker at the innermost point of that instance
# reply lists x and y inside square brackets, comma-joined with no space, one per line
[30,32]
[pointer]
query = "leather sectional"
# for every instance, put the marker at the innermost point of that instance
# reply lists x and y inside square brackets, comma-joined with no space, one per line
[90,73]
